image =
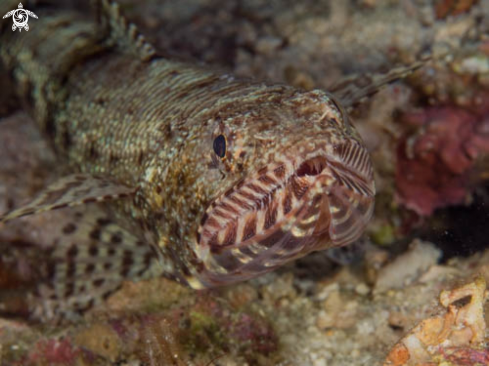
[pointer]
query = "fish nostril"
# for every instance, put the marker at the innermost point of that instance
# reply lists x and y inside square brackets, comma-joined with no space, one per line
[311,167]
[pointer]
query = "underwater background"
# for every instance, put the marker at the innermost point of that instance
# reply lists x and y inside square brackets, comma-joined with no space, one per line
[376,304]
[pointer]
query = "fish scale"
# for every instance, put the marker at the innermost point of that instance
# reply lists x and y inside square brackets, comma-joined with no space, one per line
[136,132]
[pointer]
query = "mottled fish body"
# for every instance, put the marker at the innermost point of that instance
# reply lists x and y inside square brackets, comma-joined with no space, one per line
[207,179]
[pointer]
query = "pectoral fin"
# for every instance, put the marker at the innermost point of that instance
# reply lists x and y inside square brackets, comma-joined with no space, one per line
[84,257]
[71,191]
[91,257]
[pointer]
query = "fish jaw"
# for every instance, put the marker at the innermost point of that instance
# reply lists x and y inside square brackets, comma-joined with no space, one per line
[286,210]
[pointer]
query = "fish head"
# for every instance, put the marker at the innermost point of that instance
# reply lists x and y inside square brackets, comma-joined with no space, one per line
[296,179]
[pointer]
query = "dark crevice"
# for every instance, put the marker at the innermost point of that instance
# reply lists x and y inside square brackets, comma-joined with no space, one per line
[461,231]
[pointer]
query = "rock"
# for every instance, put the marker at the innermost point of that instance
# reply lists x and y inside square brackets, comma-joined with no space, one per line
[268,45]
[338,312]
[455,337]
[100,339]
[407,267]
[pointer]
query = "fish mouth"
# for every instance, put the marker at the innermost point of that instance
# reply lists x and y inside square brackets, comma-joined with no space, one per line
[312,167]
[285,211]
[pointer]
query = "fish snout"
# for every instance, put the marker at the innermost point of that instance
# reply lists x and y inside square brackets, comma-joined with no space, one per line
[285,211]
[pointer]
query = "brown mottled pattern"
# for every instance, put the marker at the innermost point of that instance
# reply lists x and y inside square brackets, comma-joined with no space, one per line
[149,125]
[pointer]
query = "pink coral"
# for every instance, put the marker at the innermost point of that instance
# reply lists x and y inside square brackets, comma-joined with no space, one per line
[259,333]
[435,164]
[54,352]
[465,356]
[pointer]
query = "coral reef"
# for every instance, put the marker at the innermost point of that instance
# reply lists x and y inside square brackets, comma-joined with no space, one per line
[440,159]
[457,337]
[429,140]
[435,166]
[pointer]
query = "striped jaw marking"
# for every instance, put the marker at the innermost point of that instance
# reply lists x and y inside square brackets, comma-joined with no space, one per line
[285,211]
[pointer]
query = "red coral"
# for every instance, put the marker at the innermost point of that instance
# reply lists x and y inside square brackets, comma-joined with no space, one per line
[445,8]
[259,333]
[434,165]
[54,352]
[467,356]
[251,332]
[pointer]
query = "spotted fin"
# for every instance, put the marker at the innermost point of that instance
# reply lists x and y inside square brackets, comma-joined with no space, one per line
[118,31]
[71,191]
[91,260]
[355,89]
[88,258]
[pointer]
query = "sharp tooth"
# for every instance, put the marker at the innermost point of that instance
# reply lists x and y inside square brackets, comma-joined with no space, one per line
[248,191]
[239,230]
[267,180]
[334,209]
[258,188]
[256,248]
[220,236]
[241,201]
[247,198]
[230,206]
[309,220]
[243,258]
[298,232]
[260,220]
[280,206]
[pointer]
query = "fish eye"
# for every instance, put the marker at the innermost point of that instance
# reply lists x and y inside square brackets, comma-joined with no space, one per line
[219,146]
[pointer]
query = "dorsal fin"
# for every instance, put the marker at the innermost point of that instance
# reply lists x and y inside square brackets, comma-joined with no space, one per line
[355,89]
[118,31]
